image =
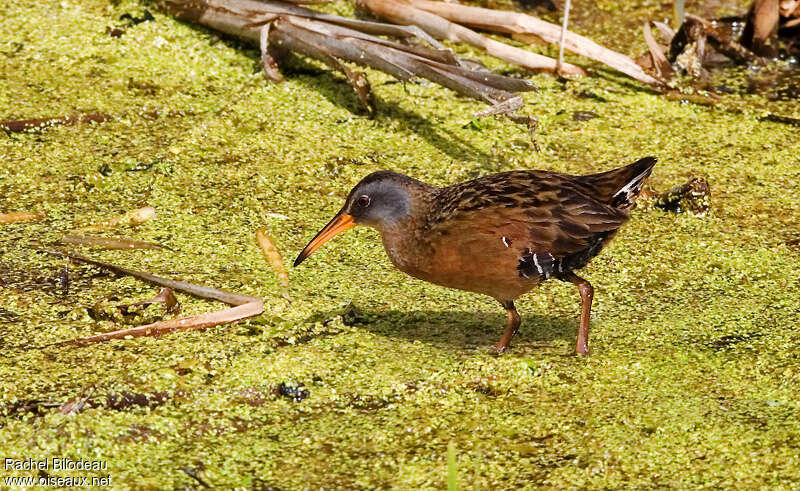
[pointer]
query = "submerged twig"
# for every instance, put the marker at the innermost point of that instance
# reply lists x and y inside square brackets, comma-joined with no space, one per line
[777,118]
[109,242]
[200,291]
[15,126]
[704,100]
[245,306]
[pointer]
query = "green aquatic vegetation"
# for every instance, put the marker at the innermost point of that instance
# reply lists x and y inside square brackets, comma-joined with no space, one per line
[695,366]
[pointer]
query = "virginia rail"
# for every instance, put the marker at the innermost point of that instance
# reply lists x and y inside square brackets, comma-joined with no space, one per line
[500,235]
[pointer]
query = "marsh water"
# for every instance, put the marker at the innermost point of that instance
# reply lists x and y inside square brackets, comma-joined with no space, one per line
[363,377]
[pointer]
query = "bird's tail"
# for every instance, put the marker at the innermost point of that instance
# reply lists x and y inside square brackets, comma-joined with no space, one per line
[619,187]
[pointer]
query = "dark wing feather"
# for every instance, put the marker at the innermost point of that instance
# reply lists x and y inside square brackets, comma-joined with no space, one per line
[618,187]
[539,211]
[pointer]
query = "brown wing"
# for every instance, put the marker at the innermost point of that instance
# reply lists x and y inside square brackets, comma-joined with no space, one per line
[540,211]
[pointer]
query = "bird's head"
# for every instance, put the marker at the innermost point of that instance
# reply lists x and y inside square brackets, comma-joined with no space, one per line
[380,200]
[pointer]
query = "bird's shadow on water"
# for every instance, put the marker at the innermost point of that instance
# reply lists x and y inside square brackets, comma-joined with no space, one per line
[459,330]
[334,88]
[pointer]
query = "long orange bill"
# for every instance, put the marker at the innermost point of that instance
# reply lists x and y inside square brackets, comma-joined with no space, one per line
[339,224]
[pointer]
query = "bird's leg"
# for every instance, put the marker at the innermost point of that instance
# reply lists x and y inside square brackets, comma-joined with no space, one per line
[512,326]
[587,293]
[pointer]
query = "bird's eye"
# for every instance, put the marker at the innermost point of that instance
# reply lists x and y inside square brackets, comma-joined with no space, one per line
[363,201]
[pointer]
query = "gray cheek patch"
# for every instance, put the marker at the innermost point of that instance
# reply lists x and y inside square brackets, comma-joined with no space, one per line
[390,204]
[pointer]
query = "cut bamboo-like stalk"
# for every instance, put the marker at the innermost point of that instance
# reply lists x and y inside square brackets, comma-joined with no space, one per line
[679,8]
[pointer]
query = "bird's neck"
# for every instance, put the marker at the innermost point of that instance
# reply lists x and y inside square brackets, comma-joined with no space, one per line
[404,238]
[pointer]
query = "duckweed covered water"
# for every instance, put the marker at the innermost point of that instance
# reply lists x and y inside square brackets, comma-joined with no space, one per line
[366,376]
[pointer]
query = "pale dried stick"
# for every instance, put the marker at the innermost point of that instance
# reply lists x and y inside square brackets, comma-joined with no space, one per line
[202,321]
[403,12]
[519,23]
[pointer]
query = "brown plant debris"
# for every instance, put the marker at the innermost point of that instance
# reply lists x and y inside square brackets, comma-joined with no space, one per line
[770,31]
[245,306]
[693,196]
[19,125]
[273,256]
[104,309]
[658,58]
[406,52]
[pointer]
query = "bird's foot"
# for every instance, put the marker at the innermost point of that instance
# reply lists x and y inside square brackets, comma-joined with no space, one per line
[501,348]
[582,349]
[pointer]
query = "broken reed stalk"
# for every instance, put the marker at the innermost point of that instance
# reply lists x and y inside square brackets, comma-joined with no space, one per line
[403,12]
[244,306]
[516,23]
[202,321]
[205,292]
[278,27]
[679,11]
[657,55]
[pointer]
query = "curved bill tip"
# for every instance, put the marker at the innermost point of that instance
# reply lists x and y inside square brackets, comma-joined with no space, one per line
[337,225]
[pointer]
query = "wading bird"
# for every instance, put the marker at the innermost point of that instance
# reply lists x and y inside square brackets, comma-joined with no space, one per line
[500,235]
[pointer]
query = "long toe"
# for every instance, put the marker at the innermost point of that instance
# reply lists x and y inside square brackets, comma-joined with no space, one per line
[501,348]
